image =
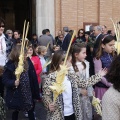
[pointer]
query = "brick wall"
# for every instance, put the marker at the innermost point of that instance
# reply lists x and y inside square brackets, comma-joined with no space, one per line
[105,13]
[73,13]
[69,13]
[57,15]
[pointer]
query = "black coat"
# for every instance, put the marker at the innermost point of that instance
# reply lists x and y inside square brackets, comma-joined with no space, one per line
[13,96]
[66,42]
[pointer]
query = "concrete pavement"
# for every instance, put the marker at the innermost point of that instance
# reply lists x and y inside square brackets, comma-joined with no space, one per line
[40,113]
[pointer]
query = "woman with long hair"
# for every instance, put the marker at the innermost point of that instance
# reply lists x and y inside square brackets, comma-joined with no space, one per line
[20,94]
[80,36]
[103,58]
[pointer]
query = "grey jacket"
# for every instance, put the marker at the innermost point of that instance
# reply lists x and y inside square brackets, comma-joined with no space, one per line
[44,40]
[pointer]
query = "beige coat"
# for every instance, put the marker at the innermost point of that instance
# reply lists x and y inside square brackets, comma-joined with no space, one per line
[75,83]
[111,104]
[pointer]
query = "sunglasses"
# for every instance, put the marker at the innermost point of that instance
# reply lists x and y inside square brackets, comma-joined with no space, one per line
[2,26]
[60,37]
[81,33]
[9,33]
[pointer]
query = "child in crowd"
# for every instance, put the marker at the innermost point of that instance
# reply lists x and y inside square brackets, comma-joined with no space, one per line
[104,57]
[20,94]
[36,61]
[67,106]
[41,51]
[81,67]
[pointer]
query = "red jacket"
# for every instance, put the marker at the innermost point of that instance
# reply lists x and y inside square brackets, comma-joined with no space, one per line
[37,65]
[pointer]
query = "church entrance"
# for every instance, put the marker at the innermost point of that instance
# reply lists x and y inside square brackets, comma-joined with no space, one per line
[16,11]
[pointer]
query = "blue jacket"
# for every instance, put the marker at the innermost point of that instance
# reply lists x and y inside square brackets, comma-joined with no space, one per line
[13,96]
[106,60]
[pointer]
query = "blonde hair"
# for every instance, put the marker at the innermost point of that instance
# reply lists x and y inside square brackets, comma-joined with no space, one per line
[41,49]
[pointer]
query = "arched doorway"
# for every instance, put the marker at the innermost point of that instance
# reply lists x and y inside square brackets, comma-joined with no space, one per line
[15,12]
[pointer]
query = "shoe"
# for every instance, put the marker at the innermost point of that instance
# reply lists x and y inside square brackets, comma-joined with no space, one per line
[26,114]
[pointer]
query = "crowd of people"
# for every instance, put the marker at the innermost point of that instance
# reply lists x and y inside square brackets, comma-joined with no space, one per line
[93,70]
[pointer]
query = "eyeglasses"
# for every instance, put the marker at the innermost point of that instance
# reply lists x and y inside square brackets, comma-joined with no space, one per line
[2,26]
[9,33]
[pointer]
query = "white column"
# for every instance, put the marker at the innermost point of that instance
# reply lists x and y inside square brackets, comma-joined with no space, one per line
[45,16]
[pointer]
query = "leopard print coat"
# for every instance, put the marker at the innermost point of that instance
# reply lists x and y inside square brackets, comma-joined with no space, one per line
[76,82]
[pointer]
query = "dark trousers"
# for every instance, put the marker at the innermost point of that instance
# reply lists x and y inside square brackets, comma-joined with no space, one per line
[71,117]
[30,115]
[1,87]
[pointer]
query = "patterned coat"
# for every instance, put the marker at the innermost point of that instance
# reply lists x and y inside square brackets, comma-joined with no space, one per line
[75,83]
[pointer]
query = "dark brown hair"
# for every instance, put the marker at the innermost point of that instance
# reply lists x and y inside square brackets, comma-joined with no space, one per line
[76,48]
[34,53]
[2,21]
[105,40]
[79,32]
[113,74]
[14,56]
[61,35]
[57,58]
[17,32]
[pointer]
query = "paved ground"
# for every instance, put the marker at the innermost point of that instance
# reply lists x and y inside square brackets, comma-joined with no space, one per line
[40,113]
[39,110]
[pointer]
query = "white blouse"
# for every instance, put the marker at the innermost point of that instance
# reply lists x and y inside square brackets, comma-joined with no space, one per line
[43,62]
[67,97]
[2,50]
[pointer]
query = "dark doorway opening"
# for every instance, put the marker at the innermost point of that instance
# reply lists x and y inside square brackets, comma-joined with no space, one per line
[15,12]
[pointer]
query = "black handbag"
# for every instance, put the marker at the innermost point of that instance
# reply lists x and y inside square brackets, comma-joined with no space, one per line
[15,102]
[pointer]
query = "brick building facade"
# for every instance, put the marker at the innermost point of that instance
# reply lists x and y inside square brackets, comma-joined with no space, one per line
[77,13]
[55,14]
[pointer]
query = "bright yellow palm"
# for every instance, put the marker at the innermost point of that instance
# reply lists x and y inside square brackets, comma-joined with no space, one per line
[58,87]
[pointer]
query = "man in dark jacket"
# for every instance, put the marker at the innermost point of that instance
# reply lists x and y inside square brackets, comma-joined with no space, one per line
[99,37]
[67,38]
